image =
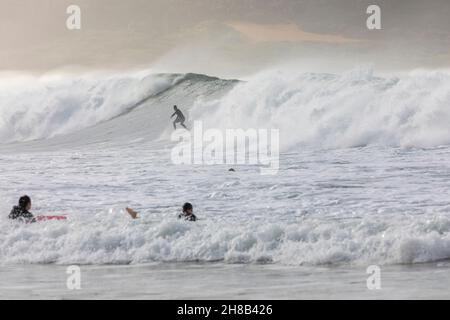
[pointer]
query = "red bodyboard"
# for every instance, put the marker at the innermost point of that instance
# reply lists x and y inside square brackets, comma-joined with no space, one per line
[48,218]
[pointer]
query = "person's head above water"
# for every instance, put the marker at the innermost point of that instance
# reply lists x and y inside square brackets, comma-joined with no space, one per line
[25,202]
[188,208]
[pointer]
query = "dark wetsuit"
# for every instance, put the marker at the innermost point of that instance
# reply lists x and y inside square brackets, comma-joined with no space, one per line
[187,217]
[21,214]
[180,118]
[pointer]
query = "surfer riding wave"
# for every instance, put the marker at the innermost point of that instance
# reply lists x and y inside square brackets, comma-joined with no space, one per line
[179,119]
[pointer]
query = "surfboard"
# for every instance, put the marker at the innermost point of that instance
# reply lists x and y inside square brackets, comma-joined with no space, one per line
[49,218]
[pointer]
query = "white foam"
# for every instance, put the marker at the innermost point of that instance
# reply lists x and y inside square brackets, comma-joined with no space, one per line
[334,111]
[322,110]
[115,240]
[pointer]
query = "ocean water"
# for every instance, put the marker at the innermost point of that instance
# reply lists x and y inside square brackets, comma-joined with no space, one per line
[363,180]
[224,281]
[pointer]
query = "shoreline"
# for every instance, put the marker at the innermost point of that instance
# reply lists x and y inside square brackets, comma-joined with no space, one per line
[224,281]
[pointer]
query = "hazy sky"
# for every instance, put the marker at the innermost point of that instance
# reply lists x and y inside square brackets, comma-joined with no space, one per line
[230,38]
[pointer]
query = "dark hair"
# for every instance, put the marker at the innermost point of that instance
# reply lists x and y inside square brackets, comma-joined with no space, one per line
[175,107]
[24,201]
[187,206]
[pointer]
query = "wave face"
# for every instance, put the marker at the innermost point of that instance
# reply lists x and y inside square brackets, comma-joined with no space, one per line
[335,111]
[41,108]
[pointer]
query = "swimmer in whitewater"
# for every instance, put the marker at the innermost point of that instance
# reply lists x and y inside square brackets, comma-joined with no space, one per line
[179,119]
[21,212]
[187,213]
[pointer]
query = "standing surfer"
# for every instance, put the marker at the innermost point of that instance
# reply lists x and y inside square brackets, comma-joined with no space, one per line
[179,119]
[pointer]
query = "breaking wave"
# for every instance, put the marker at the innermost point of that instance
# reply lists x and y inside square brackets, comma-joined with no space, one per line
[323,110]
[41,108]
[334,111]
[106,239]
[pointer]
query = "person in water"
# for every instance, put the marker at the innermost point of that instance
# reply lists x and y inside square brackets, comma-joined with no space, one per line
[22,212]
[188,213]
[179,119]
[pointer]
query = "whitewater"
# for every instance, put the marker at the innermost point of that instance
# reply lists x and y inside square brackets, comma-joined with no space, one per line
[363,178]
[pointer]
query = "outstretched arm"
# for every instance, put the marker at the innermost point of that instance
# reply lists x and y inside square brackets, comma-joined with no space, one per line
[132,213]
[173,115]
